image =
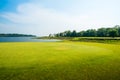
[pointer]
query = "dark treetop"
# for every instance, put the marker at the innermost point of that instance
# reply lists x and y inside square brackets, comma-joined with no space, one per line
[101,32]
[16,35]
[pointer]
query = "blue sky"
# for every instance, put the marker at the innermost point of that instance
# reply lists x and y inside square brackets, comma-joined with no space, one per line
[41,17]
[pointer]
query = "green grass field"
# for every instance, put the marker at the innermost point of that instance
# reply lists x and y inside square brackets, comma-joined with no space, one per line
[59,61]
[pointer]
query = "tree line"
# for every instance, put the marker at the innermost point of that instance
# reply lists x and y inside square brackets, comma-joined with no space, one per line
[16,35]
[101,32]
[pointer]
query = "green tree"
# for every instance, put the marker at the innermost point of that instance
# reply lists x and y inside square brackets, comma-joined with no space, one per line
[113,33]
[101,32]
[91,33]
[74,34]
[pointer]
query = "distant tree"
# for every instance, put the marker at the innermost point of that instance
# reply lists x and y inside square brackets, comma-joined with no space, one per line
[79,34]
[101,32]
[113,33]
[68,33]
[61,35]
[16,35]
[82,33]
[50,35]
[107,32]
[117,27]
[119,31]
[91,33]
[74,34]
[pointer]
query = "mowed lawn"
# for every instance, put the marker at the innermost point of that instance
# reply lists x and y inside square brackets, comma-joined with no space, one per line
[59,61]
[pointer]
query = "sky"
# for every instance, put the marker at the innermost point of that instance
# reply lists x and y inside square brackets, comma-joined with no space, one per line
[42,17]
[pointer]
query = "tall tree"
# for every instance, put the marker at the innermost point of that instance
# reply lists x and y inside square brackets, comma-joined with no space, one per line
[113,33]
[74,34]
[101,32]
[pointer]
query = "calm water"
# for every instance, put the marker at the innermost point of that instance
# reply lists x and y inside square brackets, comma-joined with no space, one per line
[25,39]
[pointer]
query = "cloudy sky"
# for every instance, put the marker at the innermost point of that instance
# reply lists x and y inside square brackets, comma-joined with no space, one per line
[41,17]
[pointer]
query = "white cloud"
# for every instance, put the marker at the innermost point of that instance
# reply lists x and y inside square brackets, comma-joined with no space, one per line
[44,21]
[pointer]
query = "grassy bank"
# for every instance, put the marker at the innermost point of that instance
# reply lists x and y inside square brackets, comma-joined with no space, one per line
[59,61]
[81,38]
[110,40]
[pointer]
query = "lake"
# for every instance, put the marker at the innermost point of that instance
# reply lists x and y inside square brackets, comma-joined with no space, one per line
[25,39]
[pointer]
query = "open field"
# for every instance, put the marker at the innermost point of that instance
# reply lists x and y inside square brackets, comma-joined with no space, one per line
[59,61]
